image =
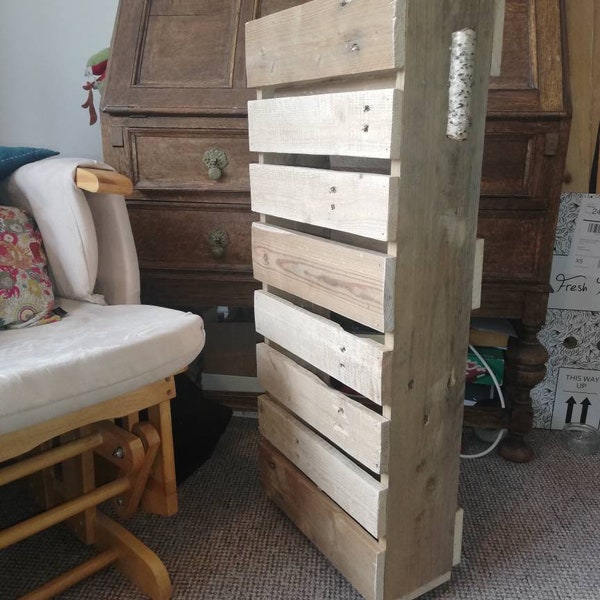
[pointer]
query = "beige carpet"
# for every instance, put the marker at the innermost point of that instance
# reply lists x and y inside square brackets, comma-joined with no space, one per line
[531,532]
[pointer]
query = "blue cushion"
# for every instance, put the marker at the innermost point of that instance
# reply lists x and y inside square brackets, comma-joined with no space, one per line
[13,157]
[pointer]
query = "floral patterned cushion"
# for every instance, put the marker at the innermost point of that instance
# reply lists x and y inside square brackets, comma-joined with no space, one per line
[26,296]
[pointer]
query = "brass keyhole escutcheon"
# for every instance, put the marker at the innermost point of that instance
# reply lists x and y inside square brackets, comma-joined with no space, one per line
[215,160]
[218,240]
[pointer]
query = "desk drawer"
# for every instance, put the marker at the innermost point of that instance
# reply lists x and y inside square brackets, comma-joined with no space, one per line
[191,237]
[516,245]
[167,153]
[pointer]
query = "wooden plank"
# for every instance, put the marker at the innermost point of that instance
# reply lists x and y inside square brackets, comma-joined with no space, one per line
[354,490]
[583,33]
[351,281]
[498,38]
[361,123]
[300,44]
[347,545]
[458,533]
[351,426]
[359,203]
[437,225]
[477,274]
[361,364]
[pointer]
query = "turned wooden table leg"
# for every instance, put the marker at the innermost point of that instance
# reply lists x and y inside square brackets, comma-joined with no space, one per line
[525,367]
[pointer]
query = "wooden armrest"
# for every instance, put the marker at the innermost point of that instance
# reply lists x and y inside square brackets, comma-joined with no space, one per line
[100,180]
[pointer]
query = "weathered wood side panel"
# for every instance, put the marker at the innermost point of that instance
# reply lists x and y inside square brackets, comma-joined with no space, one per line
[359,203]
[362,364]
[350,281]
[437,223]
[360,123]
[351,426]
[300,44]
[435,260]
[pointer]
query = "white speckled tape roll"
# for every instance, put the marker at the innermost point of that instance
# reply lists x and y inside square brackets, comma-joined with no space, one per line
[460,84]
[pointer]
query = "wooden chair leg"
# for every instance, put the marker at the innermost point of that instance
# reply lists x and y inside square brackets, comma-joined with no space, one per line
[78,479]
[135,560]
[160,496]
[119,547]
[65,484]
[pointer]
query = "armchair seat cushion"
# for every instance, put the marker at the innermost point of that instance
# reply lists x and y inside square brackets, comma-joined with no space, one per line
[95,353]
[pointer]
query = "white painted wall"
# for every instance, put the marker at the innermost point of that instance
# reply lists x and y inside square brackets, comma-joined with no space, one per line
[44,47]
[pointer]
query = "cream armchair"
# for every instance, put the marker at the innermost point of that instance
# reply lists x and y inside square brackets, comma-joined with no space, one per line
[75,388]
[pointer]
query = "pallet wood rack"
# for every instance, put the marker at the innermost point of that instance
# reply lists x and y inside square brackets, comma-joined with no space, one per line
[361,429]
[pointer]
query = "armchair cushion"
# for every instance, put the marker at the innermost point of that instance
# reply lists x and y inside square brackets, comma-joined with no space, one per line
[93,354]
[26,295]
[13,157]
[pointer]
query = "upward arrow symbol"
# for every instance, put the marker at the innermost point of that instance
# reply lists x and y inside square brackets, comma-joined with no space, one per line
[570,403]
[585,404]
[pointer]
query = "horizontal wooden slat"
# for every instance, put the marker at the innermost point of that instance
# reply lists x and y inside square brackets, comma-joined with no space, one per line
[299,44]
[361,364]
[356,429]
[359,203]
[351,281]
[362,123]
[354,490]
[348,546]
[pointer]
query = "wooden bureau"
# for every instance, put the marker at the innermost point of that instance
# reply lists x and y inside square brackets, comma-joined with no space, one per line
[176,89]
[527,133]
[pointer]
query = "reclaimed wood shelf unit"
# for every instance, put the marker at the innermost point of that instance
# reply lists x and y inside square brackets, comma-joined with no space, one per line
[372,482]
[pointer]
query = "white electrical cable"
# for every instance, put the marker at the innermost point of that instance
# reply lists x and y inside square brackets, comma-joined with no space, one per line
[502,404]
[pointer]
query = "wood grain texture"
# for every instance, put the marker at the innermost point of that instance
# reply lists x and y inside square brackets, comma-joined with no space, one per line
[360,203]
[171,158]
[345,543]
[191,247]
[531,79]
[136,561]
[102,181]
[356,429]
[150,74]
[354,490]
[301,45]
[437,222]
[361,364]
[360,123]
[350,281]
[583,32]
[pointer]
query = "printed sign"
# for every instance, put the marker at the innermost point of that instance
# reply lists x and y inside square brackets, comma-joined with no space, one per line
[577,397]
[575,277]
[572,289]
[584,254]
